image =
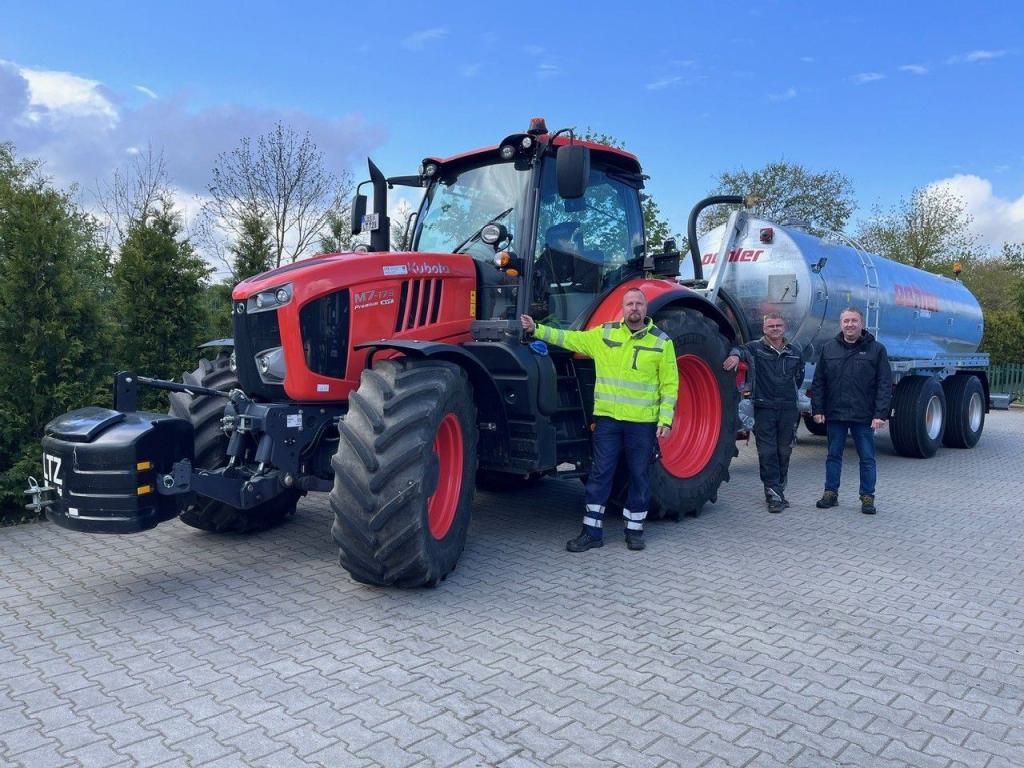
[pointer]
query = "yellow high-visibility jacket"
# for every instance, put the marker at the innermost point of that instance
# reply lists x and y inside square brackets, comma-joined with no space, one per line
[637,378]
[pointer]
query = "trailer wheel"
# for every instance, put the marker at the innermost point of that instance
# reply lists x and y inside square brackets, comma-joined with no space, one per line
[965,401]
[404,473]
[211,443]
[814,427]
[695,456]
[919,417]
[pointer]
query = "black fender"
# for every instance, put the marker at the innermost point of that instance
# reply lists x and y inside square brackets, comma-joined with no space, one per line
[486,390]
[691,300]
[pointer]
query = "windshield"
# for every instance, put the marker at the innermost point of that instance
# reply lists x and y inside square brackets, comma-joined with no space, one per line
[461,203]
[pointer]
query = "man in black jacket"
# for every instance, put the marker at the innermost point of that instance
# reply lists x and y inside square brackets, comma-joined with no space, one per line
[776,371]
[851,392]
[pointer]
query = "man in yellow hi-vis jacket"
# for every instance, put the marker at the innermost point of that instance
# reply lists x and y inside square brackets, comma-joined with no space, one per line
[634,402]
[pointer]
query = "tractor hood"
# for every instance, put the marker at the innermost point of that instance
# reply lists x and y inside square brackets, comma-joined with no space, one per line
[320,274]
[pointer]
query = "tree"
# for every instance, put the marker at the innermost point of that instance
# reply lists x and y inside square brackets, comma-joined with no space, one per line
[823,201]
[252,250]
[160,304]
[131,193]
[337,236]
[281,179]
[929,231]
[656,229]
[55,333]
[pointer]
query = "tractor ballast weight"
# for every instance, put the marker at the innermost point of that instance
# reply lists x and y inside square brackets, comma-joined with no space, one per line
[393,379]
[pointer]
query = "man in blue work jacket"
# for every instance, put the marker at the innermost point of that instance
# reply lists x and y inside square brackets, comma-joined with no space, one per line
[634,402]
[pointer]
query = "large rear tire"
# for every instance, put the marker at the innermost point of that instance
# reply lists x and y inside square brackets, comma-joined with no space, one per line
[404,473]
[919,417]
[965,410]
[205,412]
[695,456]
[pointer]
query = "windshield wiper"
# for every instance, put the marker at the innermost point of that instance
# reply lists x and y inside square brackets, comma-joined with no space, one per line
[476,235]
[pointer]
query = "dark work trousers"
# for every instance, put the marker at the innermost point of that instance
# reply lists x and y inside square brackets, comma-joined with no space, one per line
[611,439]
[774,431]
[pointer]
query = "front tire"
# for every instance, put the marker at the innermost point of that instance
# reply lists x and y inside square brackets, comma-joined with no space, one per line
[919,417]
[205,412]
[404,473]
[696,455]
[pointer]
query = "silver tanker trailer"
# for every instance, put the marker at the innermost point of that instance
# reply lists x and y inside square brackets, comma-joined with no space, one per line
[931,325]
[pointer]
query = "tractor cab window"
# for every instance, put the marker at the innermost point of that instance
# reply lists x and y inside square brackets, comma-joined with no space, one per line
[584,246]
[454,211]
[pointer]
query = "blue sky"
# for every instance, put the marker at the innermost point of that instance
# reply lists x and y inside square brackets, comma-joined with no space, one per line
[895,95]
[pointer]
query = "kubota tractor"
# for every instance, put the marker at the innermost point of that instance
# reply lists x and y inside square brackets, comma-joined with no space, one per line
[398,381]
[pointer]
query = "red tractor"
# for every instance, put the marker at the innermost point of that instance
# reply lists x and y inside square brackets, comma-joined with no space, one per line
[399,381]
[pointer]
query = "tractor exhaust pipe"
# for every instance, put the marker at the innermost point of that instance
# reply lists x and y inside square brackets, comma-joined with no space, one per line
[380,238]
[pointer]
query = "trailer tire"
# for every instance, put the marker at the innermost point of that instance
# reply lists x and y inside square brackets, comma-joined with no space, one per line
[404,473]
[814,427]
[205,411]
[965,414]
[697,453]
[919,417]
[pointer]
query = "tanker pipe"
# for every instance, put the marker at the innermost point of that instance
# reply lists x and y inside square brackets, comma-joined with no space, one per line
[691,227]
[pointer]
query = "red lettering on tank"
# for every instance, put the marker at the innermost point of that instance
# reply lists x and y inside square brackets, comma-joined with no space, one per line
[736,254]
[914,297]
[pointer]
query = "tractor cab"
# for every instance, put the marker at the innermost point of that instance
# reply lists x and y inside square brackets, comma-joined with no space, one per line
[552,223]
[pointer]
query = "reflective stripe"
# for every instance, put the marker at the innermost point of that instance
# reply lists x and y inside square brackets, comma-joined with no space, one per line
[593,522]
[597,509]
[637,516]
[608,397]
[559,338]
[631,526]
[669,400]
[624,384]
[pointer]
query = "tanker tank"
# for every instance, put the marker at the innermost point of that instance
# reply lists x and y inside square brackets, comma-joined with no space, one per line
[809,281]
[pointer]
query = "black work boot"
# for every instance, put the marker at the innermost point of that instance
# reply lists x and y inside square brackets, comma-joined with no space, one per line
[584,541]
[776,505]
[828,499]
[867,504]
[635,540]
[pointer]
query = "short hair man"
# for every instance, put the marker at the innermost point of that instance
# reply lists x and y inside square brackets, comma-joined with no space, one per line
[851,393]
[776,371]
[634,402]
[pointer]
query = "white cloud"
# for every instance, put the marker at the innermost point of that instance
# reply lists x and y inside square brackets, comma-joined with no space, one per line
[547,70]
[807,59]
[975,56]
[471,70]
[82,131]
[996,220]
[867,77]
[147,91]
[663,82]
[55,95]
[914,69]
[789,93]
[417,41]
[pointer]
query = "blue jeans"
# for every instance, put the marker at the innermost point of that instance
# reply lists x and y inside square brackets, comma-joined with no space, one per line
[864,440]
[635,441]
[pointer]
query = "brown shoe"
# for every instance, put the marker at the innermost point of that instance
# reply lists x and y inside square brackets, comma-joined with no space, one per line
[828,499]
[867,504]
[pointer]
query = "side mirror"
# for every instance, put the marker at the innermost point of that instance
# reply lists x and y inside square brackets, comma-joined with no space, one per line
[358,212]
[572,168]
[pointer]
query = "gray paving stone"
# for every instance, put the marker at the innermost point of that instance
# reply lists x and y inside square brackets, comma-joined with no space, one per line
[805,639]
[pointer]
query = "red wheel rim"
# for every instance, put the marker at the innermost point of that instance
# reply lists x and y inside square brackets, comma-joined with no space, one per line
[442,505]
[698,420]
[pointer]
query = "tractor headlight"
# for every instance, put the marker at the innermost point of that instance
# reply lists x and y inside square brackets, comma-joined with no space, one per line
[270,364]
[271,298]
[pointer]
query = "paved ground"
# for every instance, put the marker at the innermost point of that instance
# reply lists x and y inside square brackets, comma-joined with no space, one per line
[738,638]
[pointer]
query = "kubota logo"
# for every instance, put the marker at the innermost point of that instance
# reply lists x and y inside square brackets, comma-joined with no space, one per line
[737,254]
[426,268]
